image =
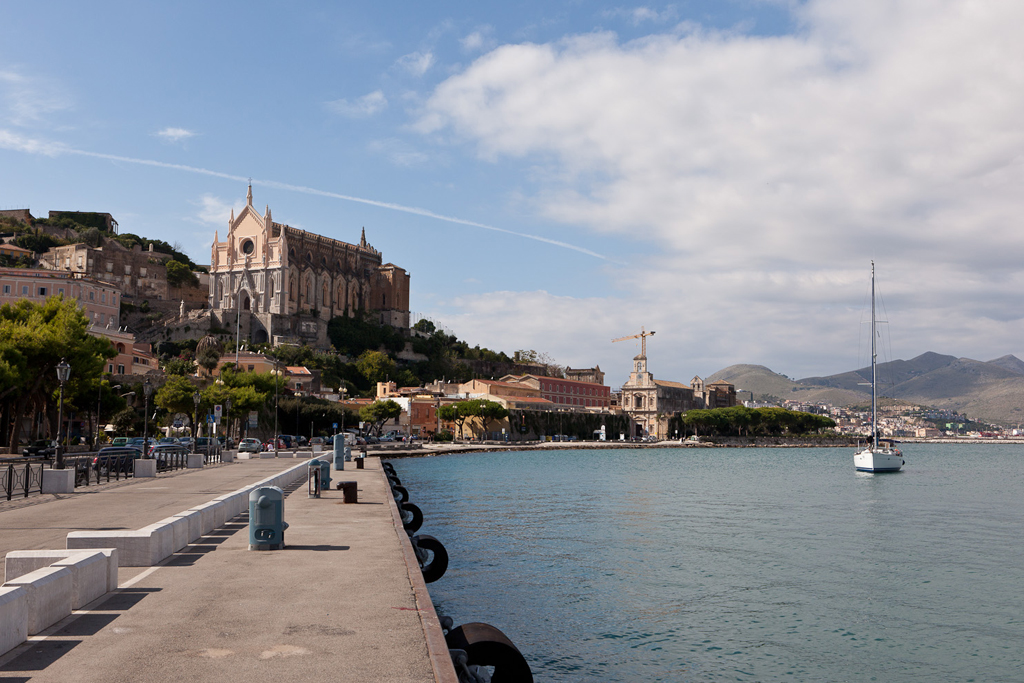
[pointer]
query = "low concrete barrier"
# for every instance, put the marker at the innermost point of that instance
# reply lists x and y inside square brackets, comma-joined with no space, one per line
[144,468]
[21,562]
[13,617]
[194,521]
[48,596]
[134,548]
[58,481]
[194,461]
[88,577]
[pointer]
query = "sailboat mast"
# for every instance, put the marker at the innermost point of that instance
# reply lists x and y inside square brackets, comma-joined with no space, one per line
[874,400]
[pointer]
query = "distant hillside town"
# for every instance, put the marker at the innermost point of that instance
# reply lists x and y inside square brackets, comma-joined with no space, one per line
[329,322]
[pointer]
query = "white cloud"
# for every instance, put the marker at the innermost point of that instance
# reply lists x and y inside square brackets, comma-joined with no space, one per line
[644,14]
[29,101]
[765,173]
[174,134]
[215,211]
[479,39]
[367,105]
[20,143]
[398,152]
[416,63]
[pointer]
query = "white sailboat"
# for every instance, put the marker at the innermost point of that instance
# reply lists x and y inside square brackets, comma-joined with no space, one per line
[880,455]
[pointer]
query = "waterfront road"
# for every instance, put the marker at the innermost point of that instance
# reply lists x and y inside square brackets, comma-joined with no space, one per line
[339,603]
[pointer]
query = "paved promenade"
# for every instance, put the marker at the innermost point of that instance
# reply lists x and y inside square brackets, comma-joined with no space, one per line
[339,603]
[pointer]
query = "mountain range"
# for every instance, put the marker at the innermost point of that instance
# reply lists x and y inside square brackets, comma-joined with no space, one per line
[991,391]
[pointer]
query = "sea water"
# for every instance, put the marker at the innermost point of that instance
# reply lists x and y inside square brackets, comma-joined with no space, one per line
[723,564]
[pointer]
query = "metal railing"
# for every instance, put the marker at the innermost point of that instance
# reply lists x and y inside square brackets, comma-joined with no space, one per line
[21,479]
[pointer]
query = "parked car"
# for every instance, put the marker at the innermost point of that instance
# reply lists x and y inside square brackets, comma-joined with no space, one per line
[226,442]
[40,449]
[319,441]
[250,446]
[169,440]
[119,441]
[116,459]
[207,446]
[166,454]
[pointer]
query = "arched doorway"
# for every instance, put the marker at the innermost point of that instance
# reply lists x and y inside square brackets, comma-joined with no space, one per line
[260,337]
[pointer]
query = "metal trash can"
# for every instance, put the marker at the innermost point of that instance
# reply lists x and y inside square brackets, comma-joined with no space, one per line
[325,475]
[266,518]
[313,477]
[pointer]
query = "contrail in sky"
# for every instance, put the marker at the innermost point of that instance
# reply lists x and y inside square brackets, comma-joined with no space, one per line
[18,143]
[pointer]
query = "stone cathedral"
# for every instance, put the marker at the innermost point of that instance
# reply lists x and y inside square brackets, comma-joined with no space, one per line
[286,283]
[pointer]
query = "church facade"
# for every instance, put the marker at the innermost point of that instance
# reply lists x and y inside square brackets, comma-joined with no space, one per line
[284,284]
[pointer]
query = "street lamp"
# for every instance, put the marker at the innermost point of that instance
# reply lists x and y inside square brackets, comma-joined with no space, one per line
[227,417]
[63,372]
[277,384]
[99,403]
[147,390]
[195,420]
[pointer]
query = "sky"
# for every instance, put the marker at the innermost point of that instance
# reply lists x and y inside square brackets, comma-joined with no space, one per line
[556,174]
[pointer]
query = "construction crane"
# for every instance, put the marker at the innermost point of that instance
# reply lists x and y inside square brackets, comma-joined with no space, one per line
[642,337]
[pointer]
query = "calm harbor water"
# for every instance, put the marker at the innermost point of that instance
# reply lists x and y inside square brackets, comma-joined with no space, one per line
[736,564]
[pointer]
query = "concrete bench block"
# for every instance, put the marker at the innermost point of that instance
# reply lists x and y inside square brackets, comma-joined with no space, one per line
[161,540]
[88,576]
[134,548]
[21,562]
[193,525]
[179,531]
[267,455]
[214,515]
[13,617]
[48,596]
[58,481]
[144,468]
[194,461]
[227,456]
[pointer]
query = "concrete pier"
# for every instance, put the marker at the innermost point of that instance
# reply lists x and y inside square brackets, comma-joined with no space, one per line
[343,601]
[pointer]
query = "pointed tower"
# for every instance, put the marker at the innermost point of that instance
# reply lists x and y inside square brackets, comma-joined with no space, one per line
[248,196]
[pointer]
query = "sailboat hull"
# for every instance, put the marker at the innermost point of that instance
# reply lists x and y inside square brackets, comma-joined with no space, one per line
[878,461]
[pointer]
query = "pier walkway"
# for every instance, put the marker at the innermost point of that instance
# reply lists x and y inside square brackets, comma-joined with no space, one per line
[343,601]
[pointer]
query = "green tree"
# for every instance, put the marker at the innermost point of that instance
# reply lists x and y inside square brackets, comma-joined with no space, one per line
[33,340]
[180,366]
[379,412]
[488,411]
[126,422]
[375,366]
[208,359]
[180,275]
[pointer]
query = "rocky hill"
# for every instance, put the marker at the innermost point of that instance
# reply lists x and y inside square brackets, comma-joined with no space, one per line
[984,390]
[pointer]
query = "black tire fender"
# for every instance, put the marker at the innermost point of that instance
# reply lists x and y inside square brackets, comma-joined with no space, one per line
[388,467]
[487,646]
[401,494]
[415,516]
[437,565]
[394,481]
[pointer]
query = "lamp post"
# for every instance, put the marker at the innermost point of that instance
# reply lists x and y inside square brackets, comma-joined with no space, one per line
[147,390]
[277,380]
[99,403]
[227,417]
[195,419]
[63,372]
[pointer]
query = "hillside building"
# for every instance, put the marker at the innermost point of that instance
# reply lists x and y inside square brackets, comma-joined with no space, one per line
[286,283]
[101,301]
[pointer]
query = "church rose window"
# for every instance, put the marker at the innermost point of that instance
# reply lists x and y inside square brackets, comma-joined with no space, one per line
[248,247]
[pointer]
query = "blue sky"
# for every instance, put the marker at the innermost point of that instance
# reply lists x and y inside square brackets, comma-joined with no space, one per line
[721,172]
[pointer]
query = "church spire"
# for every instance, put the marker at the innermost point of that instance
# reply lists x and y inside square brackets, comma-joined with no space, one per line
[248,197]
[362,240]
